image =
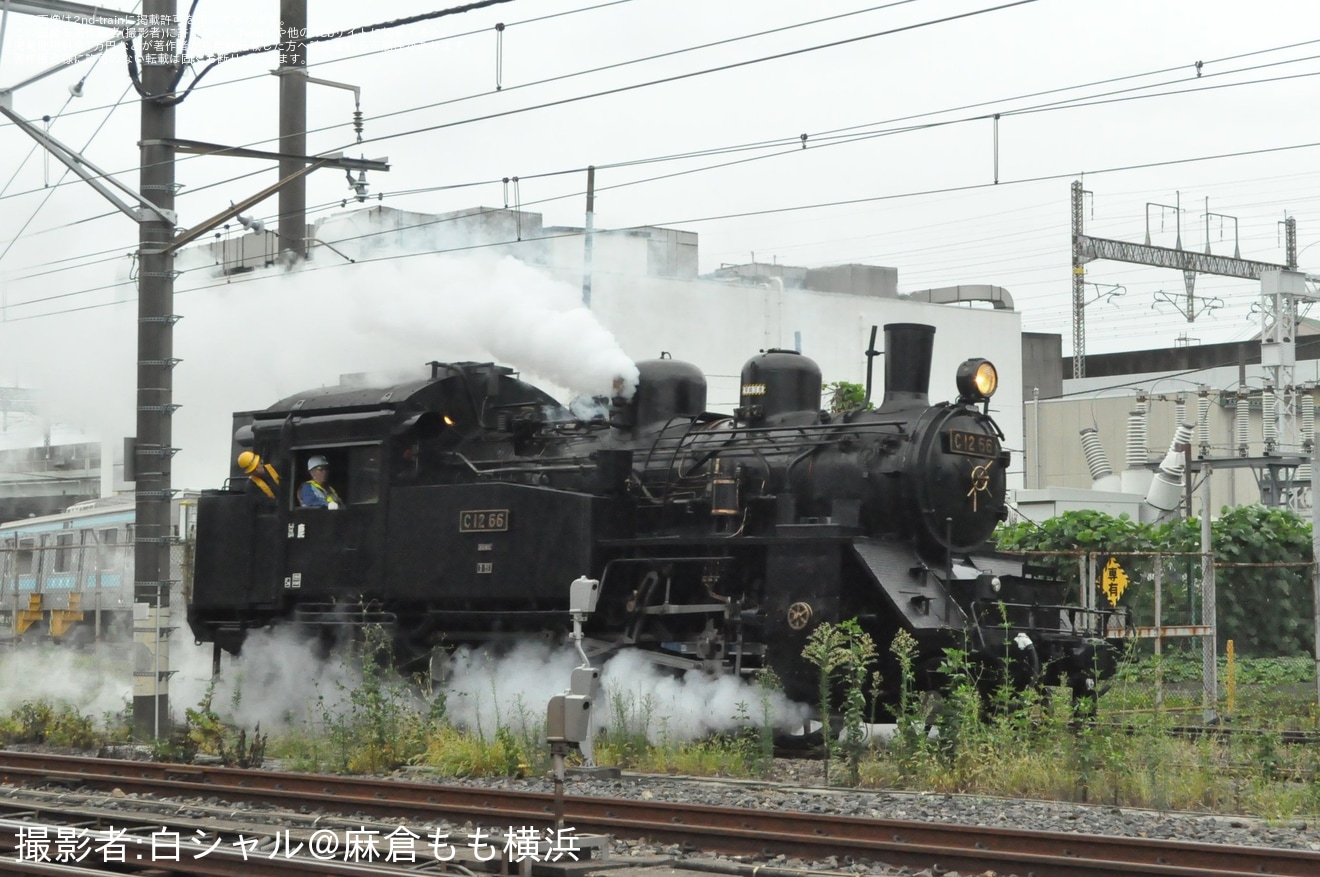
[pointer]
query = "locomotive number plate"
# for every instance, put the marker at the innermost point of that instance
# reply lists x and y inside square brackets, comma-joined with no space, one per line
[483,521]
[972,444]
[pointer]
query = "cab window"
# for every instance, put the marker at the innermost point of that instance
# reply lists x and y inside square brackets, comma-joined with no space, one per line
[363,475]
[355,473]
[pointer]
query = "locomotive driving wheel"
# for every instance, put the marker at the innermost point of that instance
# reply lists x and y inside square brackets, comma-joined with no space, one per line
[799,615]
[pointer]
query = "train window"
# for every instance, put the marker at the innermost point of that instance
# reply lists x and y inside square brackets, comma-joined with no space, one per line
[108,557]
[24,559]
[363,485]
[64,552]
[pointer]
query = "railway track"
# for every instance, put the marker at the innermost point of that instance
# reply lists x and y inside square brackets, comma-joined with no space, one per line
[1222,733]
[760,834]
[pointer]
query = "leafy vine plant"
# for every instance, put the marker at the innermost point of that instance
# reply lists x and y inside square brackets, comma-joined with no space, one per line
[846,396]
[1263,562]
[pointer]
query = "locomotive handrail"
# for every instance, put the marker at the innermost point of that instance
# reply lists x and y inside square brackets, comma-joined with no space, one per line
[798,428]
[678,444]
[529,465]
[740,437]
[1093,621]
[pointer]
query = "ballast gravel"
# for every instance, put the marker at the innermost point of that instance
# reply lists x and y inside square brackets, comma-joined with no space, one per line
[801,790]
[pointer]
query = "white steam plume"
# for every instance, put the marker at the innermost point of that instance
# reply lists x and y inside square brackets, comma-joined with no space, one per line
[641,695]
[636,696]
[93,683]
[248,345]
[250,340]
[280,684]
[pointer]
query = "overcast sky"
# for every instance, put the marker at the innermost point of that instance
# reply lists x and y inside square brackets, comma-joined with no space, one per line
[899,167]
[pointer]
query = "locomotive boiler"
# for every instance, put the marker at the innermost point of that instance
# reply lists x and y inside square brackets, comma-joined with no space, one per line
[720,541]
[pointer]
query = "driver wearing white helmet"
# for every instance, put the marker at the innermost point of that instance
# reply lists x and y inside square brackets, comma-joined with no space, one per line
[316,492]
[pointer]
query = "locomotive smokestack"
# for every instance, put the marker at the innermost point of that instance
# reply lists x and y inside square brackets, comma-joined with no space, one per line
[908,349]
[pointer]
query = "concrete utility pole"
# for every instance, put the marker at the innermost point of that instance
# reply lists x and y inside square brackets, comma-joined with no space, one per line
[293,126]
[1315,565]
[157,31]
[588,237]
[159,63]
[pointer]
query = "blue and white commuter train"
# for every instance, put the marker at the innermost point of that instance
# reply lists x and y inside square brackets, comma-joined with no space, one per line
[69,576]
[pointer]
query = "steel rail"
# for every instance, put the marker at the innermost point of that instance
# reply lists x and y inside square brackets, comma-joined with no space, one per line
[694,827]
[142,855]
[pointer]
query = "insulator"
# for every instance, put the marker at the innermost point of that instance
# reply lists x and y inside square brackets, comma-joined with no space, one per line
[1240,421]
[1167,483]
[1136,438]
[1269,426]
[357,124]
[1179,410]
[1175,461]
[1203,420]
[1307,403]
[1095,454]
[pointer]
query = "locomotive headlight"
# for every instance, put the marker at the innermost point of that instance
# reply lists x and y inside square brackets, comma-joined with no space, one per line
[977,380]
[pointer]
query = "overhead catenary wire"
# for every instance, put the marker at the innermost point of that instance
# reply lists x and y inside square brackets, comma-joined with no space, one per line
[173,98]
[621,89]
[4,297]
[823,138]
[643,161]
[864,200]
[53,119]
[684,221]
[824,135]
[659,159]
[710,152]
[9,246]
[331,61]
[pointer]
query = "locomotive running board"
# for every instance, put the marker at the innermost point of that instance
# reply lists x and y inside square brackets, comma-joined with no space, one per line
[914,589]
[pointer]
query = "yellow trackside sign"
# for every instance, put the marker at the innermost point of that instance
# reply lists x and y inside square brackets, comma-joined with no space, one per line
[1113,581]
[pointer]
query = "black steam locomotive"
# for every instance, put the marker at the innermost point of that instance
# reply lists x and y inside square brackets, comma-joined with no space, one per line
[473,500]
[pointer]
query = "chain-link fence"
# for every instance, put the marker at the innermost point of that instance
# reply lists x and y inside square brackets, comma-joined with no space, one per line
[1244,649]
[1266,640]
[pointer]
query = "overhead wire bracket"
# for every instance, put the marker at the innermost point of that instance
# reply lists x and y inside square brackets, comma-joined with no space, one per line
[80,165]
